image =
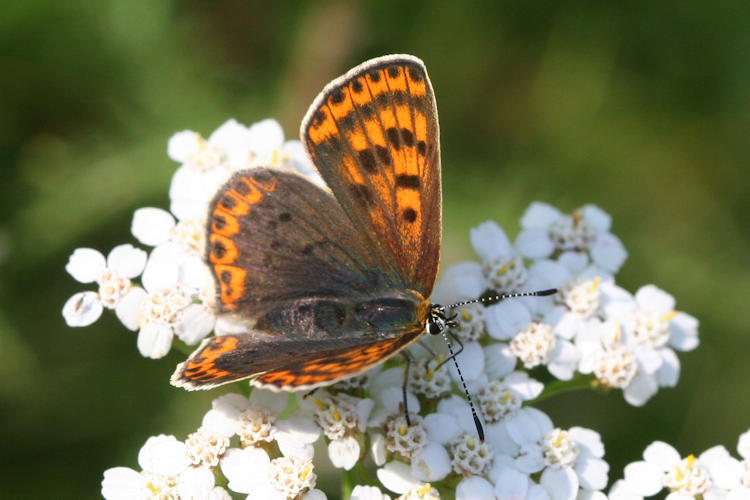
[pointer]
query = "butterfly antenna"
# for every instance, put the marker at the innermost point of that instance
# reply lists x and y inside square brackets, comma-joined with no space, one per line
[477,423]
[495,298]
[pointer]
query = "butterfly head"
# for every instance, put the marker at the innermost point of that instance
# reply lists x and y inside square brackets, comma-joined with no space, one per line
[438,322]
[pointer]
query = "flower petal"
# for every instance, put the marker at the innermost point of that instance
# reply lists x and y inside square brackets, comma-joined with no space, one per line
[344,452]
[197,322]
[684,335]
[643,478]
[152,226]
[588,441]
[523,385]
[563,360]
[534,243]
[621,490]
[295,436]
[743,445]
[273,401]
[596,217]
[377,448]
[154,340]
[608,252]
[539,215]
[128,308]
[164,455]
[561,483]
[669,371]
[163,268]
[498,361]
[123,483]
[653,298]
[367,493]
[530,458]
[490,241]
[471,362]
[431,463]
[661,455]
[86,265]
[511,484]
[195,482]
[265,136]
[497,435]
[82,309]
[245,469]
[441,427]
[506,318]
[640,390]
[474,488]
[462,281]
[126,261]
[182,145]
[396,476]
[592,472]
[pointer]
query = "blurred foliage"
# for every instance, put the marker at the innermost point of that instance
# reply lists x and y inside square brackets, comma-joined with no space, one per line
[640,107]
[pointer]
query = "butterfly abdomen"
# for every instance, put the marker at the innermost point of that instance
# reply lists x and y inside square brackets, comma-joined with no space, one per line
[385,315]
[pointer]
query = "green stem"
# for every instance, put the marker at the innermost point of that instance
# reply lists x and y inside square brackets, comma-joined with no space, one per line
[364,476]
[559,386]
[347,483]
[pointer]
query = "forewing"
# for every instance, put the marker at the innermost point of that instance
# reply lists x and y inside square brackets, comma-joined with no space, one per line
[282,363]
[275,237]
[373,136]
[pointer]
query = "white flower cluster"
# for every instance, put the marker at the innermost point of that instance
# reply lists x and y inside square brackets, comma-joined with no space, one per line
[712,475]
[176,293]
[592,332]
[240,438]
[592,328]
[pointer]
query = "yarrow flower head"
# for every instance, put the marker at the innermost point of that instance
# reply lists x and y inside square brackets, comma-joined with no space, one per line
[712,474]
[113,276]
[592,331]
[166,472]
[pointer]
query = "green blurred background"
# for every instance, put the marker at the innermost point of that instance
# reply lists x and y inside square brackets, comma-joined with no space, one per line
[640,107]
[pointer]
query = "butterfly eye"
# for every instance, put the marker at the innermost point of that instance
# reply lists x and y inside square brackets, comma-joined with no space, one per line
[435,326]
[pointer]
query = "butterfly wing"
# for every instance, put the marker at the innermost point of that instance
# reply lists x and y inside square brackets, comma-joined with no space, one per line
[284,254]
[281,363]
[373,136]
[335,285]
[275,237]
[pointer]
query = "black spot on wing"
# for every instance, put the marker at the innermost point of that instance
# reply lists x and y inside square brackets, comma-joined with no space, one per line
[384,155]
[228,202]
[337,96]
[394,138]
[409,215]
[367,159]
[362,194]
[407,136]
[219,221]
[415,74]
[219,250]
[407,181]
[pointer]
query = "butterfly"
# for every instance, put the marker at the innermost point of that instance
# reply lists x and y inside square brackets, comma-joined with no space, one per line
[331,281]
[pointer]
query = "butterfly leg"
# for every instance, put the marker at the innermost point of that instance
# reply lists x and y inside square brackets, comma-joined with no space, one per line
[459,351]
[426,348]
[403,387]
[308,394]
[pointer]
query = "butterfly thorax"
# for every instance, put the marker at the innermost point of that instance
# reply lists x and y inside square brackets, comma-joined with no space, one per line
[384,315]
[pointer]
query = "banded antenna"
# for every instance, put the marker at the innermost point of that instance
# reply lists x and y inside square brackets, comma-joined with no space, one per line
[482,300]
